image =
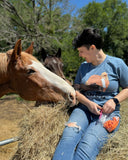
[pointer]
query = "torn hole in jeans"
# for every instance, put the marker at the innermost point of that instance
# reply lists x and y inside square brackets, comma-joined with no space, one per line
[73,125]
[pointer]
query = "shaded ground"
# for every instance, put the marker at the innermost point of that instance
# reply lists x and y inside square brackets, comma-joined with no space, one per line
[11,112]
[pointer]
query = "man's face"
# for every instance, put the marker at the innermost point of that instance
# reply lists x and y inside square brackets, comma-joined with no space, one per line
[85,53]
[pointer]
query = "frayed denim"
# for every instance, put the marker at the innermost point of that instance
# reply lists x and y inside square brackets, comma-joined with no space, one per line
[83,136]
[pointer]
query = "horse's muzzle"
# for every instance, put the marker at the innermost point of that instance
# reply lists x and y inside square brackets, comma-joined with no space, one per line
[72,99]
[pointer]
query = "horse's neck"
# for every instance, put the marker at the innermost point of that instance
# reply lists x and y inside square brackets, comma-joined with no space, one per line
[4,78]
[3,68]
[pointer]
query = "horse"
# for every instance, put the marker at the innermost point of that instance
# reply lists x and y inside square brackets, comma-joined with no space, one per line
[53,63]
[21,73]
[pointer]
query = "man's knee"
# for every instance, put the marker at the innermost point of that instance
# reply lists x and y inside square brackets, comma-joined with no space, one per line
[73,125]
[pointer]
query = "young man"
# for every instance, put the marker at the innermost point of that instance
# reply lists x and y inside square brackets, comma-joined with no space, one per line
[99,79]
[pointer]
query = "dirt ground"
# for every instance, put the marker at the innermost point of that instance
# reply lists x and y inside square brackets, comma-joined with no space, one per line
[12,111]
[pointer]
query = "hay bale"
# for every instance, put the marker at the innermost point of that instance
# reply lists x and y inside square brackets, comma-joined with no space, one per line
[41,129]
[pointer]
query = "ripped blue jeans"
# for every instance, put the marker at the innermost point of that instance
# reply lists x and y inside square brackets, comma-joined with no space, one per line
[83,137]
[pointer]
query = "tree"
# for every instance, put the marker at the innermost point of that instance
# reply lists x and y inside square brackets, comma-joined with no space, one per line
[116,28]
[41,21]
[111,17]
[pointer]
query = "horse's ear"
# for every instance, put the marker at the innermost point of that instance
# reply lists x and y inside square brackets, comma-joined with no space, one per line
[42,53]
[29,50]
[17,50]
[58,54]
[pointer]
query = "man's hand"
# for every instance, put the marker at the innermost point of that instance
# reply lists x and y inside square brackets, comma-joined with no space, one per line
[94,108]
[109,106]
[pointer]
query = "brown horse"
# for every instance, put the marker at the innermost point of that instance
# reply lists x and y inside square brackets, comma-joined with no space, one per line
[53,62]
[23,74]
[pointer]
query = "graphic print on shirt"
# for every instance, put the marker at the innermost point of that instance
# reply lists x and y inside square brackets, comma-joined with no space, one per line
[98,82]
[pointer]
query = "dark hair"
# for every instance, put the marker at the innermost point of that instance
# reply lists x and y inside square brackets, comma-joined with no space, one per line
[88,37]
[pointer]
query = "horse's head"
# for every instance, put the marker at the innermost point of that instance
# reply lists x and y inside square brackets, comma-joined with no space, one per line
[32,81]
[53,62]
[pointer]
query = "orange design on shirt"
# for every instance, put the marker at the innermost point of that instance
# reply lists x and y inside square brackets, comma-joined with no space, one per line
[100,80]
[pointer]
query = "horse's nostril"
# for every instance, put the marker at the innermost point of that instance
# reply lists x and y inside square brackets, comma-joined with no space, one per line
[70,97]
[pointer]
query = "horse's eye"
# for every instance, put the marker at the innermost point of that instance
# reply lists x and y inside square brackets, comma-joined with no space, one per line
[30,71]
[48,68]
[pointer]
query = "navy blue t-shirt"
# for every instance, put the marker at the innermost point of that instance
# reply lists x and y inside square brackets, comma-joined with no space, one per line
[103,81]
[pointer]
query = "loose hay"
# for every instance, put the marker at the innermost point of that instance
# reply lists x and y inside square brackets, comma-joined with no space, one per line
[42,128]
[117,146]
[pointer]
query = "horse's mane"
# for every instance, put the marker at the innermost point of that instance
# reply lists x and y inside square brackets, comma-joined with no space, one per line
[3,63]
[4,58]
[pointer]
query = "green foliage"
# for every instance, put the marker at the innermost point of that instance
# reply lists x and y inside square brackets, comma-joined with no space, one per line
[93,15]
[111,17]
[41,21]
[70,57]
[117,27]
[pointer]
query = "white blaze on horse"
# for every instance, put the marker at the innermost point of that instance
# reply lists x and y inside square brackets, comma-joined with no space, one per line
[23,74]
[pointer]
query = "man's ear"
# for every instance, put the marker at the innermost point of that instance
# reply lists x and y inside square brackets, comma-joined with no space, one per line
[92,46]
